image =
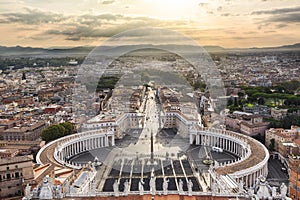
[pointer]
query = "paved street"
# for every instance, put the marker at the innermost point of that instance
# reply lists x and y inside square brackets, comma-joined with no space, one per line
[276,175]
[198,153]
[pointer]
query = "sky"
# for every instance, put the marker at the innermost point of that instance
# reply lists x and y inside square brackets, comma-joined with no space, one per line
[226,23]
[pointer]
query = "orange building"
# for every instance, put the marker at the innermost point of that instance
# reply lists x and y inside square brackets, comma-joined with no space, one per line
[294,164]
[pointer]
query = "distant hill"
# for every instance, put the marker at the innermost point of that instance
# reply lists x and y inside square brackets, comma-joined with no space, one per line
[31,51]
[83,51]
[293,46]
[284,47]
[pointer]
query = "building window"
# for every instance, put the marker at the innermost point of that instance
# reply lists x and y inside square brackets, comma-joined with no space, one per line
[7,168]
[8,176]
[17,175]
[16,166]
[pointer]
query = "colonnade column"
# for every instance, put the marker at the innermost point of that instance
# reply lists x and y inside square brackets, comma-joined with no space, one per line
[106,140]
[113,140]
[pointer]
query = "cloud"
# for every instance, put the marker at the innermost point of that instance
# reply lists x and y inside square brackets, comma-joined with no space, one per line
[277,11]
[89,26]
[31,17]
[286,18]
[226,14]
[281,25]
[80,32]
[279,17]
[203,4]
[106,2]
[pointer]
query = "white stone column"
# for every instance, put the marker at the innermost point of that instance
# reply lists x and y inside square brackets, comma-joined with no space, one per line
[235,148]
[113,140]
[223,143]
[66,151]
[69,150]
[106,141]
[208,140]
[72,149]
[227,144]
[197,139]
[251,179]
[191,138]
[101,141]
[61,154]
[75,148]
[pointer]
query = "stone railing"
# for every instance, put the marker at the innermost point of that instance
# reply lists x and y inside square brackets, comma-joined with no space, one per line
[63,143]
[253,165]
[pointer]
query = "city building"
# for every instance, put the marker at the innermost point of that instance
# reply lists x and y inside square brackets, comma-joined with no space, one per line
[29,131]
[294,165]
[280,135]
[278,113]
[246,123]
[8,153]
[23,147]
[14,173]
[254,125]
[288,148]
[257,109]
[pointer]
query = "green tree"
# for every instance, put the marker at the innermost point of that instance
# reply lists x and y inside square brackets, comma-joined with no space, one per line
[272,144]
[53,132]
[260,138]
[23,76]
[69,128]
[229,102]
[235,102]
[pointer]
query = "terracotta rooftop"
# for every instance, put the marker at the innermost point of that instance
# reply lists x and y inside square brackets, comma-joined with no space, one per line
[297,142]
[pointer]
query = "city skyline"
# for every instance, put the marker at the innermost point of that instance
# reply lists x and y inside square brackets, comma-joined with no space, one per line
[226,23]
